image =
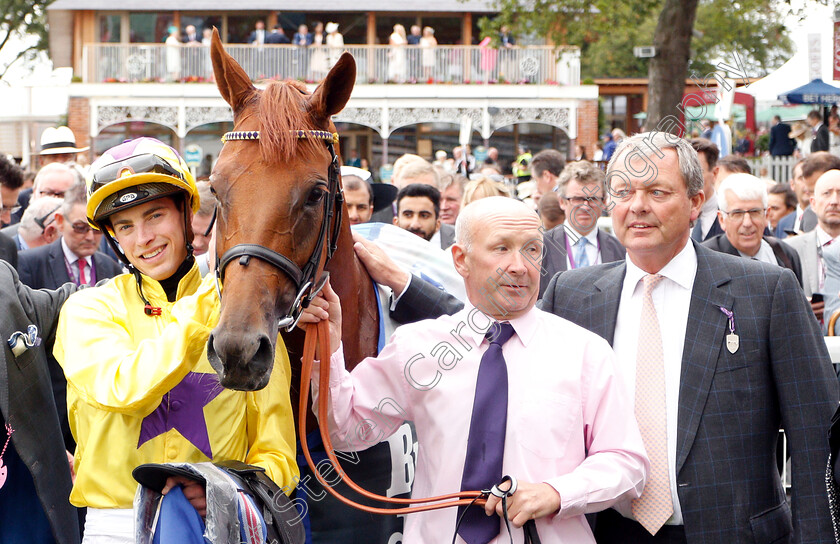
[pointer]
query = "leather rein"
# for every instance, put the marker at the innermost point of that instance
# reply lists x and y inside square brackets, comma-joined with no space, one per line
[318,336]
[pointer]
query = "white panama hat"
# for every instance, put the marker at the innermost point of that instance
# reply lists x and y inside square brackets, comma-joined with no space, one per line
[56,140]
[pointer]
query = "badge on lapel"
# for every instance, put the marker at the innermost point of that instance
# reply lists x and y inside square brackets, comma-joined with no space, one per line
[732,340]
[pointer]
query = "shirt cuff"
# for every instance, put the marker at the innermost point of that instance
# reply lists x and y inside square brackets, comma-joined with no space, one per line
[396,299]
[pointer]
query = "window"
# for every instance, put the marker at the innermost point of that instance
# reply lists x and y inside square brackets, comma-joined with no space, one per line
[108,28]
[149,27]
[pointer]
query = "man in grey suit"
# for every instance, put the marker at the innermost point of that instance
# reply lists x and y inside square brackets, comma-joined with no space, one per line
[578,242]
[742,356]
[812,245]
[34,501]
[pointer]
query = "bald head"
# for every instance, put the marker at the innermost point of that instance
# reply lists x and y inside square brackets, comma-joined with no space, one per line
[498,252]
[474,214]
[825,201]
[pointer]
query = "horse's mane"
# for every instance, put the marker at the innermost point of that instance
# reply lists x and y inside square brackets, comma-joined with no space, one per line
[282,109]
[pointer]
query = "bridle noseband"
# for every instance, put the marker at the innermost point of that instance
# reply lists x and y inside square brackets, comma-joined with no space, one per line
[306,283]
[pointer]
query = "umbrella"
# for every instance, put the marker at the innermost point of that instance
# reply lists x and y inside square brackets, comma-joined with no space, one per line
[815,92]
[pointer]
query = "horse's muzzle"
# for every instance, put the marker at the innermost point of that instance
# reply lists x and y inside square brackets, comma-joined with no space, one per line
[242,361]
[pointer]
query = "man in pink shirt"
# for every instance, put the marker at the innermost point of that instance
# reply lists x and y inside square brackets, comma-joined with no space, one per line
[566,429]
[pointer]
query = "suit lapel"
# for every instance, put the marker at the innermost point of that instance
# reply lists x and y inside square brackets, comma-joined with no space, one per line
[705,334]
[605,299]
[57,268]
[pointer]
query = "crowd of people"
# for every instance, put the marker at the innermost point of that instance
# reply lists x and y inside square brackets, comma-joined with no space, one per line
[411,55]
[632,383]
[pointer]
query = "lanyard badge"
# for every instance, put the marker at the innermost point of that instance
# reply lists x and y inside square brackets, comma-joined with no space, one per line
[732,340]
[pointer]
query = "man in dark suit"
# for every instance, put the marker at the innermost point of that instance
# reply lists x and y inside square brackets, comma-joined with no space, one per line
[34,505]
[819,130]
[707,225]
[748,353]
[743,216]
[781,144]
[11,180]
[277,35]
[578,242]
[73,258]
[302,37]
[8,250]
[258,35]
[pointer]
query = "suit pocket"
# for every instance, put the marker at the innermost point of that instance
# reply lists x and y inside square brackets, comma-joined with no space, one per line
[558,414]
[25,358]
[773,525]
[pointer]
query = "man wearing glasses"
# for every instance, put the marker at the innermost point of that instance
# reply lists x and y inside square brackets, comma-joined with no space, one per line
[578,242]
[11,180]
[742,199]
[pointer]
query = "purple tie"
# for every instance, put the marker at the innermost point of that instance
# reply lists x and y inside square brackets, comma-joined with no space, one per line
[486,441]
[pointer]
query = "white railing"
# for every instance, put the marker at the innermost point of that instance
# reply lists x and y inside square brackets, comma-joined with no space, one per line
[133,63]
[779,169]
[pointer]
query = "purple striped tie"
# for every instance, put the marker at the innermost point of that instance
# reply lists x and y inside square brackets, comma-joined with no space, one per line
[486,441]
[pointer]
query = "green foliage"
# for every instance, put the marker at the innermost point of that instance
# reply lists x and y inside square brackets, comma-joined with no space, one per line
[606,31]
[762,143]
[23,19]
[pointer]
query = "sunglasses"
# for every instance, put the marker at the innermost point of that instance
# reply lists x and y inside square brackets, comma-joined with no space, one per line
[40,221]
[80,227]
[146,163]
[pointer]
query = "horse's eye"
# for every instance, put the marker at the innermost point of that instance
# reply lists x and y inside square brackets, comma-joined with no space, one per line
[315,196]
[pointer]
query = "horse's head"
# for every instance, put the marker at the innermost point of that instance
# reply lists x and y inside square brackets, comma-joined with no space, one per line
[272,193]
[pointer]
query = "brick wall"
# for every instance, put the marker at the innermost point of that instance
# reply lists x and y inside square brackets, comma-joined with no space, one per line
[78,119]
[587,125]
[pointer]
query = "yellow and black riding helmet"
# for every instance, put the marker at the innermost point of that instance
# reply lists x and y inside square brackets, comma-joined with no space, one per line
[132,173]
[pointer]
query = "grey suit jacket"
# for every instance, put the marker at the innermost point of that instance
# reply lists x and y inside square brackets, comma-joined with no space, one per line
[809,220]
[8,250]
[731,406]
[447,235]
[806,247]
[27,402]
[554,259]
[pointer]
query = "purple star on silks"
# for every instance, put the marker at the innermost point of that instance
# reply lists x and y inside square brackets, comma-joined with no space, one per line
[182,409]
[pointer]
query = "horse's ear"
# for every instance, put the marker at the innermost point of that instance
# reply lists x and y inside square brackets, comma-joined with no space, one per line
[232,81]
[334,92]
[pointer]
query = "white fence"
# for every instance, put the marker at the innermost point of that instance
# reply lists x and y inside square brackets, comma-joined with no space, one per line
[132,63]
[779,169]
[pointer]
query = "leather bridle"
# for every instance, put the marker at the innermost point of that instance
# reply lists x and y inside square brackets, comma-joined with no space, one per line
[306,280]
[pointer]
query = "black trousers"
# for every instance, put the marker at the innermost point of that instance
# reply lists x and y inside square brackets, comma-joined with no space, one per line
[613,528]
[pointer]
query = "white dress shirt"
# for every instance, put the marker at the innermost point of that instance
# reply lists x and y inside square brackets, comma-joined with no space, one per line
[593,251]
[797,222]
[764,254]
[71,258]
[708,214]
[671,298]
[570,423]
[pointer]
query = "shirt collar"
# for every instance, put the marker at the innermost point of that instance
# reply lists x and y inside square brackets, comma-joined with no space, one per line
[822,236]
[681,269]
[592,237]
[525,326]
[711,204]
[69,255]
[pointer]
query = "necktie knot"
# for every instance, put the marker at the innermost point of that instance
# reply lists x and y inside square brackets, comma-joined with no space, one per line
[582,241]
[499,333]
[651,281]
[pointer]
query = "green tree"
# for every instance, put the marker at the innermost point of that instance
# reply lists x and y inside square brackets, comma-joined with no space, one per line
[692,36]
[22,21]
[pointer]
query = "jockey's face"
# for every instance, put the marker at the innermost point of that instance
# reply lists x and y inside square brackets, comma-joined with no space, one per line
[152,236]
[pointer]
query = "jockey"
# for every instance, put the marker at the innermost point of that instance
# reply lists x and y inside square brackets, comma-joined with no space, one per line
[140,388]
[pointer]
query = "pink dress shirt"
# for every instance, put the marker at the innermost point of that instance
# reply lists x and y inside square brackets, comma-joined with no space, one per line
[565,399]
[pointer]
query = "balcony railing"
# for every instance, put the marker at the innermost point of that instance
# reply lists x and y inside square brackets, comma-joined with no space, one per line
[134,63]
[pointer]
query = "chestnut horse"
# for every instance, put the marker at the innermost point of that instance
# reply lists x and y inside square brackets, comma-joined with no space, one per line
[272,192]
